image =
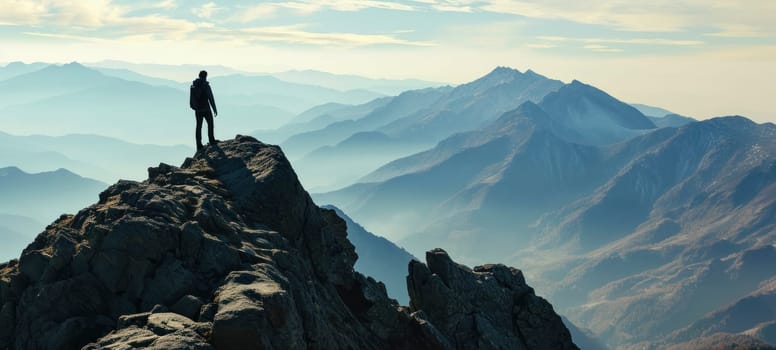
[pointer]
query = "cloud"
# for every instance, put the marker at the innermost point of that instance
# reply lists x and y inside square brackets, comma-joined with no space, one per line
[20,12]
[68,37]
[296,35]
[622,15]
[541,46]
[270,9]
[629,41]
[206,10]
[739,31]
[82,19]
[650,16]
[601,48]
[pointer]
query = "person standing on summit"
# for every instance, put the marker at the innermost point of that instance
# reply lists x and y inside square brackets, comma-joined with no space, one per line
[200,100]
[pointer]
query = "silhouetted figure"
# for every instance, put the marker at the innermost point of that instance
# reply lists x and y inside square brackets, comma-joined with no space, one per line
[200,100]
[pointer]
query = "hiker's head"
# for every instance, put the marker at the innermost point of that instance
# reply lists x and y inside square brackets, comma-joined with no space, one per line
[203,74]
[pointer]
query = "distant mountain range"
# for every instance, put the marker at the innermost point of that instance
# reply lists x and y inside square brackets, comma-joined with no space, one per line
[341,82]
[61,99]
[606,211]
[45,196]
[409,123]
[29,201]
[102,158]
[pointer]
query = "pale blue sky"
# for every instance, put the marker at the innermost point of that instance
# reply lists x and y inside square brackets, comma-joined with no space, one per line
[697,57]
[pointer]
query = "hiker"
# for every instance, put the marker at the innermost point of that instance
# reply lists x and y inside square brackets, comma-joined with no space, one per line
[200,100]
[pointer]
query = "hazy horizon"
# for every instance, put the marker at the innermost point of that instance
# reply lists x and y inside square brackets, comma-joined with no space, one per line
[697,58]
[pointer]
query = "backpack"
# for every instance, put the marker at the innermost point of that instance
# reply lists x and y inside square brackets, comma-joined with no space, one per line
[196,93]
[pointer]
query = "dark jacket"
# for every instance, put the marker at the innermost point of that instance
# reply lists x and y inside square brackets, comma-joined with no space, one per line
[207,96]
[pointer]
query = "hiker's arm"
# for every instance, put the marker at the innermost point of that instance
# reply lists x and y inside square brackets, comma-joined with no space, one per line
[212,99]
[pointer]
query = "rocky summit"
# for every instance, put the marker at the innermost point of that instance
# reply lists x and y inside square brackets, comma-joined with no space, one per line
[228,251]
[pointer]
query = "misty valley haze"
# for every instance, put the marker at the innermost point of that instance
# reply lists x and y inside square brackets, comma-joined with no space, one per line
[644,228]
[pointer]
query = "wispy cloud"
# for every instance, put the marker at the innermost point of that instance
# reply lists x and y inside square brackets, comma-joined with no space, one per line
[270,9]
[601,48]
[68,37]
[297,35]
[629,41]
[734,18]
[629,16]
[739,31]
[541,46]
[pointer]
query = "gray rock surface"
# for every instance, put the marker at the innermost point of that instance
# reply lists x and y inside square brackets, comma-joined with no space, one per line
[228,251]
[489,307]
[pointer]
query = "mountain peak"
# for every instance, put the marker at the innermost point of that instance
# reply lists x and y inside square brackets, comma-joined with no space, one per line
[11,171]
[73,65]
[502,72]
[580,103]
[229,250]
[72,70]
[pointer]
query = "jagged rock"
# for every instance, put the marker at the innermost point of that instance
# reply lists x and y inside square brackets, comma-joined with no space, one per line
[229,251]
[489,307]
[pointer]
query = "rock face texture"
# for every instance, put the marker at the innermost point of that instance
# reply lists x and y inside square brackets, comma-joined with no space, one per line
[490,307]
[228,251]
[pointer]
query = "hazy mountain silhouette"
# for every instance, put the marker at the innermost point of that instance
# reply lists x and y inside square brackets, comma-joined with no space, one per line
[341,82]
[102,158]
[129,75]
[72,98]
[45,196]
[671,120]
[28,201]
[416,120]
[319,117]
[49,82]
[290,96]
[662,117]
[407,103]
[13,69]
[472,105]
[593,116]
[345,82]
[62,99]
[651,111]
[182,72]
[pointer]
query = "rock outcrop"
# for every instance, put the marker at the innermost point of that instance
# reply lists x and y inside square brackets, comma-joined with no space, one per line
[228,251]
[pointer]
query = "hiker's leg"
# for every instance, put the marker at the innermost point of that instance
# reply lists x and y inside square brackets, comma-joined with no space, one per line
[198,132]
[211,138]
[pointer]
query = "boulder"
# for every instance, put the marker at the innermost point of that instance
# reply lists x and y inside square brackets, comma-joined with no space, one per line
[488,307]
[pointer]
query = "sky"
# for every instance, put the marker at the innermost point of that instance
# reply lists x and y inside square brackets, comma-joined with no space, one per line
[701,58]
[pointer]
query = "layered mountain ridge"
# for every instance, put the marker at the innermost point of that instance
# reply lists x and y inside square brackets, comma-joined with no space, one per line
[658,222]
[228,251]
